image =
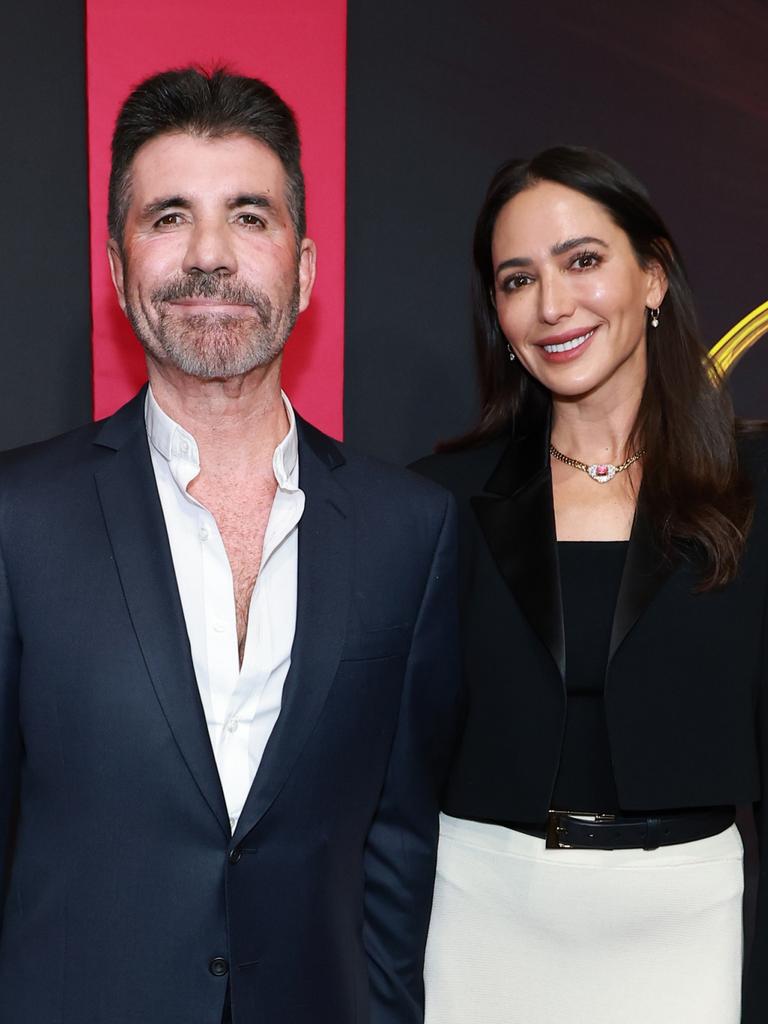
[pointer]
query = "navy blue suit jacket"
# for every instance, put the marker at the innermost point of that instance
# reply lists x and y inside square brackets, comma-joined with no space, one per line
[126,899]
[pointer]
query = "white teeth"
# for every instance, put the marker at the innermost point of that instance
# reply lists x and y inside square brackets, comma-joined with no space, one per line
[568,345]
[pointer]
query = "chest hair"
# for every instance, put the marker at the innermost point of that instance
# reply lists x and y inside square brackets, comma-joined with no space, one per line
[241,514]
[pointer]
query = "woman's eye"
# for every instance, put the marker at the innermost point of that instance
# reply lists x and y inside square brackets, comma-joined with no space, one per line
[515,282]
[586,260]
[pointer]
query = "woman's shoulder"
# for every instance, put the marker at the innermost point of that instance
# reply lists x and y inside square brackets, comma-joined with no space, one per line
[752,444]
[463,470]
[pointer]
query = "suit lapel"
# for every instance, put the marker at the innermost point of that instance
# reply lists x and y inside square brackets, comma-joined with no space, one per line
[645,570]
[324,575]
[134,519]
[518,522]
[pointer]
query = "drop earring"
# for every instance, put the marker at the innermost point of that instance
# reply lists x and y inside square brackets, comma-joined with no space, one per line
[511,353]
[654,317]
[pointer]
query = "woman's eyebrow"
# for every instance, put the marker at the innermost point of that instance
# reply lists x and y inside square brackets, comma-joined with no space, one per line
[571,243]
[556,250]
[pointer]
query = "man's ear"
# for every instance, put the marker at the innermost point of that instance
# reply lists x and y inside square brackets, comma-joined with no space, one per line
[307,271]
[117,270]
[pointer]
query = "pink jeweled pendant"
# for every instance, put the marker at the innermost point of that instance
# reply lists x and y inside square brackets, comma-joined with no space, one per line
[602,472]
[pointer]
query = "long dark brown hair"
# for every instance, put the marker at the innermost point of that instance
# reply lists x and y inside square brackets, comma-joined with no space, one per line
[696,496]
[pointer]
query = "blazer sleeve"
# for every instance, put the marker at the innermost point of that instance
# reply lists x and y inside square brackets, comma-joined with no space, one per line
[10,738]
[755,995]
[400,855]
[755,988]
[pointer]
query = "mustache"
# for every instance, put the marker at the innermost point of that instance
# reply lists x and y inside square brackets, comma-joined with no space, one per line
[211,286]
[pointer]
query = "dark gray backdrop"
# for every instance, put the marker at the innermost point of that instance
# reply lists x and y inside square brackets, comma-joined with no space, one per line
[441,93]
[45,353]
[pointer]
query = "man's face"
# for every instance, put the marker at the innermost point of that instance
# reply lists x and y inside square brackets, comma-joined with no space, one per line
[209,274]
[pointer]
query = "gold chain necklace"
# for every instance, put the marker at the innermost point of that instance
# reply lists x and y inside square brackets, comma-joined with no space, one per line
[600,472]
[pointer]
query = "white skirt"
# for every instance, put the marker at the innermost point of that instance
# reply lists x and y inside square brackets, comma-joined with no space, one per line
[525,935]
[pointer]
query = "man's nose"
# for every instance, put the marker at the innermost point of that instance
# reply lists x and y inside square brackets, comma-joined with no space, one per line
[556,298]
[210,250]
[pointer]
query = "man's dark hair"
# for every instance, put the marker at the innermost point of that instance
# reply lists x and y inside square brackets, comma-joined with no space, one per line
[209,104]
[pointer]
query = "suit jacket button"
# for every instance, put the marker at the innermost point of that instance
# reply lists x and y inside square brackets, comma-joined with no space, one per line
[235,855]
[218,967]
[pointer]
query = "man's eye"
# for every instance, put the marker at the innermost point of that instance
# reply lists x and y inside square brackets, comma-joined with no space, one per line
[252,220]
[168,220]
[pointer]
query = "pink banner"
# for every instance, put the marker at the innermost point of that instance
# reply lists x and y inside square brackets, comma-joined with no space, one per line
[300,49]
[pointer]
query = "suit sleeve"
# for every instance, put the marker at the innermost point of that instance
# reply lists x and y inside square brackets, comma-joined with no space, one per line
[10,740]
[401,849]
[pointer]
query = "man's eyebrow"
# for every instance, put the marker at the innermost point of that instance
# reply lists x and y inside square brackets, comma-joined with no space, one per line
[160,205]
[260,199]
[157,206]
[556,250]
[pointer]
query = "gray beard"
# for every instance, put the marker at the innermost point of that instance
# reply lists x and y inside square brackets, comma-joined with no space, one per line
[215,345]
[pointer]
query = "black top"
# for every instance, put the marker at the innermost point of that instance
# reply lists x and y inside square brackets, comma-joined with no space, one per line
[590,574]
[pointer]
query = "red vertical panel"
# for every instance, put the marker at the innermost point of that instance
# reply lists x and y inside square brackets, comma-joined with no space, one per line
[298,47]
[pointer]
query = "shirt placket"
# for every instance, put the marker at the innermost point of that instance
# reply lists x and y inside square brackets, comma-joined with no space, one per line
[234,699]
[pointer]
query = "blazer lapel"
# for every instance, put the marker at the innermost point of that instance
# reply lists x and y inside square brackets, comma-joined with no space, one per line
[518,522]
[516,515]
[134,519]
[645,570]
[324,575]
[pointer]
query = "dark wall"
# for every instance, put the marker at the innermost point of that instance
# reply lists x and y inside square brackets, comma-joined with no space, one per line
[45,383]
[440,94]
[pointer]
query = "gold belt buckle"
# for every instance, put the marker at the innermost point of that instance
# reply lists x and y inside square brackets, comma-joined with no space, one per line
[555,828]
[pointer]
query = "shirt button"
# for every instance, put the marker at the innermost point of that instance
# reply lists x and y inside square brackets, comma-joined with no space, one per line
[218,967]
[203,533]
[232,823]
[232,725]
[219,626]
[184,447]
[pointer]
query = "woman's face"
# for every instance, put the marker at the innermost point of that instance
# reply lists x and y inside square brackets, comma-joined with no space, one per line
[570,295]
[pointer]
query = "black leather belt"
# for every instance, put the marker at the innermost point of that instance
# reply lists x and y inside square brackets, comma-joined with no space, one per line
[576,830]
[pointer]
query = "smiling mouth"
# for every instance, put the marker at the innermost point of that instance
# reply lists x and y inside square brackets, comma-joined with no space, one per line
[566,346]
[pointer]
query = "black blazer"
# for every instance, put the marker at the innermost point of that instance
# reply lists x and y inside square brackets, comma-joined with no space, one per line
[128,901]
[686,676]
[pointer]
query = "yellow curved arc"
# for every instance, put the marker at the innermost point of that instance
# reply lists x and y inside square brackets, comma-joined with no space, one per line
[733,345]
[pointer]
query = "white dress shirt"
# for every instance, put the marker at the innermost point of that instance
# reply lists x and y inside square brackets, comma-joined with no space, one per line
[241,704]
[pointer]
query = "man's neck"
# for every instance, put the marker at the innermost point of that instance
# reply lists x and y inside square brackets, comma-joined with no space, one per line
[236,423]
